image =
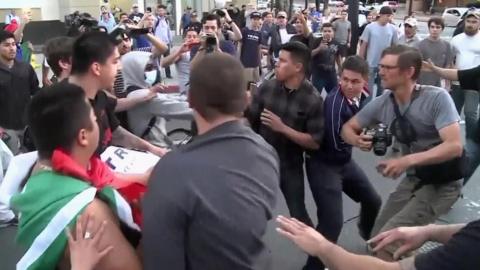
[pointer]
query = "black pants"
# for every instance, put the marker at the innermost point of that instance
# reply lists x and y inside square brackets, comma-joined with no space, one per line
[327,183]
[168,73]
[293,189]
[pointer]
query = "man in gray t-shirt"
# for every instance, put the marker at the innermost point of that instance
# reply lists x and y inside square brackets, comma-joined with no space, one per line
[376,37]
[343,33]
[431,114]
[437,50]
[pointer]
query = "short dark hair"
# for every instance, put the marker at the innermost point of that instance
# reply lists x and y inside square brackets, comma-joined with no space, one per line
[327,24]
[266,13]
[56,49]
[4,35]
[89,48]
[356,64]
[211,17]
[55,116]
[299,52]
[436,20]
[407,57]
[123,14]
[161,6]
[226,95]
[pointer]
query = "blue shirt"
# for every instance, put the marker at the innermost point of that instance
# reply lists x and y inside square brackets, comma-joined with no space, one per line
[108,23]
[225,45]
[337,111]
[162,30]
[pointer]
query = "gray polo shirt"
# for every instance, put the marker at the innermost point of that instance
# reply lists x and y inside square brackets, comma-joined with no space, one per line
[208,202]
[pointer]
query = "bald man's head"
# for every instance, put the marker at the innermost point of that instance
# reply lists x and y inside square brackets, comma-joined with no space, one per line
[217,87]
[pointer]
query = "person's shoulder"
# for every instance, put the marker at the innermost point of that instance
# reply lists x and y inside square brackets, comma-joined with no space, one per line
[311,91]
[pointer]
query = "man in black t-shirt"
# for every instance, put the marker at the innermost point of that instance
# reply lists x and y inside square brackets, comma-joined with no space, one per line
[250,55]
[95,61]
[325,54]
[469,79]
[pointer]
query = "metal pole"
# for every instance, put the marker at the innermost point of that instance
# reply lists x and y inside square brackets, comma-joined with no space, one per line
[353,18]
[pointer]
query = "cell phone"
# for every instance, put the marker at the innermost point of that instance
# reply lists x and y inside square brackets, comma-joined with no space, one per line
[135,32]
[193,44]
[173,88]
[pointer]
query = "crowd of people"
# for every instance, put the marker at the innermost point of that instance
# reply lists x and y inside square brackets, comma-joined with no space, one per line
[251,83]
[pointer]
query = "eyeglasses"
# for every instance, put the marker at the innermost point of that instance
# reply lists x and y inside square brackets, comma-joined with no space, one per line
[387,67]
[281,17]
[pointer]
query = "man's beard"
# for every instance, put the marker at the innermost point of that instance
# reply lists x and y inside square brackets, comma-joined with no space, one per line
[470,32]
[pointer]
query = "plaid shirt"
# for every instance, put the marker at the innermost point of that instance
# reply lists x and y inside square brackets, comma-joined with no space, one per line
[300,109]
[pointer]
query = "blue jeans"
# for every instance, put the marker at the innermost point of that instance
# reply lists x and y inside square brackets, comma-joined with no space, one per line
[327,182]
[324,79]
[373,80]
[468,99]
[472,151]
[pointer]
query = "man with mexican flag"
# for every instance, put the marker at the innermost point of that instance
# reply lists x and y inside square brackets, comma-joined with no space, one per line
[67,181]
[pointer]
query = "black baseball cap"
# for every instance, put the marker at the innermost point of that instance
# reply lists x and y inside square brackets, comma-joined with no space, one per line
[386,10]
[255,14]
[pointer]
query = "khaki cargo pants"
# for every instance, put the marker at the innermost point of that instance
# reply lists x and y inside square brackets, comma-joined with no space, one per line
[413,205]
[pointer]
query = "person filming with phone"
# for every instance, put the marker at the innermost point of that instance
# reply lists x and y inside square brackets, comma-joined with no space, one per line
[210,41]
[423,119]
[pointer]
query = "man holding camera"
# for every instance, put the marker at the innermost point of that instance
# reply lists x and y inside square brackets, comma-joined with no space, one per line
[288,113]
[424,120]
[209,39]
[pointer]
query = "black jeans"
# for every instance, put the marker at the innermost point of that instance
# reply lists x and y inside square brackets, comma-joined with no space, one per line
[168,73]
[327,183]
[293,188]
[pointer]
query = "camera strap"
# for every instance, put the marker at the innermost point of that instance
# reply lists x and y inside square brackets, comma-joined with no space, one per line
[401,127]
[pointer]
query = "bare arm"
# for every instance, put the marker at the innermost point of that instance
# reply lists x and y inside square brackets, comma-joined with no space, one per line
[333,256]
[450,147]
[19,32]
[446,73]
[443,233]
[126,139]
[125,104]
[174,57]
[363,49]
[235,34]
[336,257]
[159,47]
[305,140]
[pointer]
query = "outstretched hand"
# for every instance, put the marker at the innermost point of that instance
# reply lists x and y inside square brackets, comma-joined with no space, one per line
[305,237]
[410,237]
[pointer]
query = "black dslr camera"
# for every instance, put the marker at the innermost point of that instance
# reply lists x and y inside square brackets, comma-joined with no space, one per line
[210,43]
[381,139]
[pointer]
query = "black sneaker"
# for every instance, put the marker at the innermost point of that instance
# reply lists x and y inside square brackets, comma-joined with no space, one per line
[11,222]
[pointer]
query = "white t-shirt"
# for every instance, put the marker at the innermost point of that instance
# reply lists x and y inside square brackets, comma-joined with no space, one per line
[467,49]
[284,35]
[183,71]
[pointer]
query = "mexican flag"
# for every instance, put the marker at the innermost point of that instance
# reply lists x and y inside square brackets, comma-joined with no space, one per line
[51,202]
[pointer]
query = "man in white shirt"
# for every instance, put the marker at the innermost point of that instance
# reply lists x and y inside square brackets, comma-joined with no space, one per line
[162,31]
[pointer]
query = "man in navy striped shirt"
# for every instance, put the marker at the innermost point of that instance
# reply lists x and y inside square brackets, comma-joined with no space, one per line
[331,170]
